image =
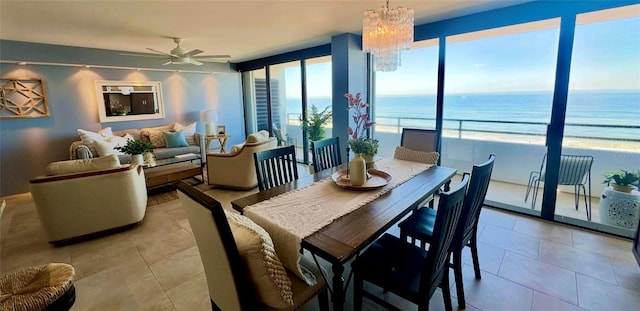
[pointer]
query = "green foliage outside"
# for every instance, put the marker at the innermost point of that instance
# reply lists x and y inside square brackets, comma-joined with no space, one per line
[315,121]
[622,177]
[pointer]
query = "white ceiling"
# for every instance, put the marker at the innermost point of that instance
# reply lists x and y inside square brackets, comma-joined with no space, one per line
[244,29]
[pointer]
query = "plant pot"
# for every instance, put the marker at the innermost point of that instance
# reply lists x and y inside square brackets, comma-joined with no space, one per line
[626,189]
[619,209]
[368,159]
[136,159]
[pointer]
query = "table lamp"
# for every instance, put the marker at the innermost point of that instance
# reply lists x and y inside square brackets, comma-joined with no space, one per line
[209,117]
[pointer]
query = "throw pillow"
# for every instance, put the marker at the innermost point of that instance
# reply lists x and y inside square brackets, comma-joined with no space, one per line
[175,139]
[107,146]
[154,135]
[258,137]
[87,137]
[236,148]
[189,131]
[255,246]
[407,154]
[83,165]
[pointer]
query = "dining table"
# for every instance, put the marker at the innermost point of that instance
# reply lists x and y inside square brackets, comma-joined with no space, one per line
[346,236]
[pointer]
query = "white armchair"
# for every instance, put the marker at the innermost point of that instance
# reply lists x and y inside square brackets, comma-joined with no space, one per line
[236,169]
[78,204]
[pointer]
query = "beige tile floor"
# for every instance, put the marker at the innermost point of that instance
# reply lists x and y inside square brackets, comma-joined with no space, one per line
[527,264]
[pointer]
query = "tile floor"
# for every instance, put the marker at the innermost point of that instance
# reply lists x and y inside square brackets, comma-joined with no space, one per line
[527,264]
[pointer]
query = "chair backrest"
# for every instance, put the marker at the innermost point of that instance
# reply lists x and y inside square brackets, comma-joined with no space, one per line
[326,153]
[473,201]
[276,167]
[227,280]
[574,169]
[419,139]
[447,217]
[277,132]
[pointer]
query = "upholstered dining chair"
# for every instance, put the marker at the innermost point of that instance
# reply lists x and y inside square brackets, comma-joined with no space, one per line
[419,139]
[326,153]
[407,270]
[420,225]
[575,170]
[276,167]
[228,279]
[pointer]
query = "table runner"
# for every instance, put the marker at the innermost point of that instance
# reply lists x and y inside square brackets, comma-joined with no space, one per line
[294,215]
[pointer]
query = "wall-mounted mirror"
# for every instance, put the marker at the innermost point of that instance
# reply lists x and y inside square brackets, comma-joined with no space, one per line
[129,100]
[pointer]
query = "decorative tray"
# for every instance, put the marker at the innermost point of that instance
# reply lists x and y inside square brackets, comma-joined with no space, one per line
[375,180]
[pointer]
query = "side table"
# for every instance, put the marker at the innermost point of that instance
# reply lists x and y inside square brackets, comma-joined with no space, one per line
[620,208]
[222,140]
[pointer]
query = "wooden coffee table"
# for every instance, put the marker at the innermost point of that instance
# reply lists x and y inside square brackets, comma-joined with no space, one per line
[171,170]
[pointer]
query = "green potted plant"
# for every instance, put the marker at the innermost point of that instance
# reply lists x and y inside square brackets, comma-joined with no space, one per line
[136,148]
[622,180]
[316,119]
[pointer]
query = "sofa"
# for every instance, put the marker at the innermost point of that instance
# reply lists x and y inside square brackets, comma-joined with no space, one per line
[236,169]
[87,147]
[77,198]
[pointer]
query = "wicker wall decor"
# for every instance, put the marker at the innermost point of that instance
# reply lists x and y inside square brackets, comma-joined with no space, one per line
[23,98]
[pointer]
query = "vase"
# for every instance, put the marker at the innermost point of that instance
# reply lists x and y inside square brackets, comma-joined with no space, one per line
[620,188]
[357,170]
[368,159]
[136,159]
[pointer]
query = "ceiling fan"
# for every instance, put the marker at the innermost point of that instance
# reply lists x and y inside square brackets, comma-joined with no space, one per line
[178,56]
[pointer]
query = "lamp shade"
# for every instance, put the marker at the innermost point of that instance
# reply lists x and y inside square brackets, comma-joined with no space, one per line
[208,116]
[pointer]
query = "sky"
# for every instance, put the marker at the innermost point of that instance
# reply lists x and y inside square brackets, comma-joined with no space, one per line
[606,56]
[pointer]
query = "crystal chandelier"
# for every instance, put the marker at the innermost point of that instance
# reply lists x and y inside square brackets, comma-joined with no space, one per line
[386,32]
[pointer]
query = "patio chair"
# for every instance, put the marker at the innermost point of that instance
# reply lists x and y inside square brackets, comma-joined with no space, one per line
[326,153]
[276,167]
[575,170]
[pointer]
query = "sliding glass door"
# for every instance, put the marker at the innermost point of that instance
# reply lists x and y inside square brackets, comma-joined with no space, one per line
[602,123]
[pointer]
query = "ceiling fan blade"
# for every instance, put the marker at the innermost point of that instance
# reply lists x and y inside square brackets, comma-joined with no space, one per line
[144,55]
[167,63]
[195,62]
[163,53]
[213,56]
[192,53]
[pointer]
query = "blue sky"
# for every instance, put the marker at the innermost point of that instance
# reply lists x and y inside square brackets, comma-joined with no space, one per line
[606,56]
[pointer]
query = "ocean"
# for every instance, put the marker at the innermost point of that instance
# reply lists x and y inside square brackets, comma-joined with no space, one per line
[602,114]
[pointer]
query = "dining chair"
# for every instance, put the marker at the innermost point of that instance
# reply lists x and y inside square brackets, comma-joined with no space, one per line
[407,270]
[420,225]
[575,170]
[228,281]
[325,153]
[276,167]
[419,139]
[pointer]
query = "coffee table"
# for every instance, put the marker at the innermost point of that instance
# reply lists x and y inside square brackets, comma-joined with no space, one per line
[171,170]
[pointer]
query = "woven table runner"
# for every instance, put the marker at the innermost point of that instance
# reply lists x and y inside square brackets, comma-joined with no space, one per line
[294,215]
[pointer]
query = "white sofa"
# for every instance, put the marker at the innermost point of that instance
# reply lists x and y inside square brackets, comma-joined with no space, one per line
[236,169]
[89,200]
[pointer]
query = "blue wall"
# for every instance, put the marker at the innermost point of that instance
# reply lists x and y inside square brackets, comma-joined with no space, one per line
[27,146]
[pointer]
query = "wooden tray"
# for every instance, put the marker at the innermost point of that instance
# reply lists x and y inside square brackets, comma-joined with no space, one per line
[375,180]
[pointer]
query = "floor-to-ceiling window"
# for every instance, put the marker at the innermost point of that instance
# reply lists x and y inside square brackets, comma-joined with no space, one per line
[498,97]
[603,115]
[406,97]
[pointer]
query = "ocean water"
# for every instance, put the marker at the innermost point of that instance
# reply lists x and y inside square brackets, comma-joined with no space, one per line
[589,113]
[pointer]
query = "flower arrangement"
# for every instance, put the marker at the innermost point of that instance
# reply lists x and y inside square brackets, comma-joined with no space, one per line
[135,146]
[358,141]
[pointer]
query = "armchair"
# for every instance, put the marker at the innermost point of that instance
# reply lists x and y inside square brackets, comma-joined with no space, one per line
[237,169]
[78,204]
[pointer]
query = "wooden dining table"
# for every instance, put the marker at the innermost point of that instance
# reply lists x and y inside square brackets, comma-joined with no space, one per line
[348,235]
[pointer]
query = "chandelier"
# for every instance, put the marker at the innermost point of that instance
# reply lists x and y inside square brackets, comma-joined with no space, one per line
[386,32]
